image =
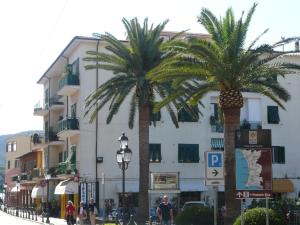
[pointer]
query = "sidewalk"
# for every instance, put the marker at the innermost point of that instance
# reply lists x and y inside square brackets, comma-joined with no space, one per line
[37,219]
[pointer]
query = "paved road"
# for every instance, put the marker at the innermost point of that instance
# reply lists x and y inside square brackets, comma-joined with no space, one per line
[7,219]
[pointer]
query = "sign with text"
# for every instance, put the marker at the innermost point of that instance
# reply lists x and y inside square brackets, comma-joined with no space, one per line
[253,171]
[214,170]
[253,138]
[164,181]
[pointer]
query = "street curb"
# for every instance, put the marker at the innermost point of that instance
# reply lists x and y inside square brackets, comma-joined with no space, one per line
[28,219]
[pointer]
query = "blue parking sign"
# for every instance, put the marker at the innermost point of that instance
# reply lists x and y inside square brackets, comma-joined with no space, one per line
[214,159]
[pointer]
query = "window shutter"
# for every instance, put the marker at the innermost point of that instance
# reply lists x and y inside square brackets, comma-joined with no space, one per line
[273,115]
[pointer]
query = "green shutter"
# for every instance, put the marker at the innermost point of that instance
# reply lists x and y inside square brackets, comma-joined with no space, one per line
[185,116]
[273,115]
[155,152]
[188,153]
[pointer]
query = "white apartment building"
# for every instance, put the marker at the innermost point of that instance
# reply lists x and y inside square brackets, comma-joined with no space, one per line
[88,150]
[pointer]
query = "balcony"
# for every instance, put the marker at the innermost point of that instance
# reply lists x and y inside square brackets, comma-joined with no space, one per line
[68,85]
[38,141]
[216,125]
[36,173]
[55,103]
[52,138]
[250,125]
[39,110]
[68,127]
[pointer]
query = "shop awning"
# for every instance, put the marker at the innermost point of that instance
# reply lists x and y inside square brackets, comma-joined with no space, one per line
[217,143]
[39,192]
[282,186]
[66,187]
[194,185]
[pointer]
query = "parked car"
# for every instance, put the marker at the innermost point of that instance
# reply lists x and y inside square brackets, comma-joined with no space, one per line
[194,203]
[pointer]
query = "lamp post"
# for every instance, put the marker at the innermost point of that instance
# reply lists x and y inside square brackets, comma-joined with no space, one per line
[18,188]
[123,157]
[47,177]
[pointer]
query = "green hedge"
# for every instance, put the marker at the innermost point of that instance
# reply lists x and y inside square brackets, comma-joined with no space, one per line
[257,216]
[196,215]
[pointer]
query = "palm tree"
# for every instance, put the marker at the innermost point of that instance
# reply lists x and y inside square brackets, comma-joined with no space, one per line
[130,62]
[224,64]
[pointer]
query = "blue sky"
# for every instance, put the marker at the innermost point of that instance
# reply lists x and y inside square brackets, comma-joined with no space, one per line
[34,32]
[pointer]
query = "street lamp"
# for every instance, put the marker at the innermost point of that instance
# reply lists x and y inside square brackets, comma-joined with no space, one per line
[47,177]
[18,187]
[123,157]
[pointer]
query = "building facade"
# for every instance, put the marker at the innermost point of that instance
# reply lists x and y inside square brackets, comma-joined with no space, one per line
[83,153]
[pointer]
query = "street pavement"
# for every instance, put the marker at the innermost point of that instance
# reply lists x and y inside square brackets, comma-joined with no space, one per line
[7,219]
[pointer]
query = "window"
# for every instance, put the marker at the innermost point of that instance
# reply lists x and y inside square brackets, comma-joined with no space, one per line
[46,96]
[188,153]
[273,115]
[73,110]
[75,67]
[14,146]
[65,155]
[278,154]
[8,164]
[60,157]
[9,147]
[155,152]
[156,116]
[185,116]
[216,124]
[17,162]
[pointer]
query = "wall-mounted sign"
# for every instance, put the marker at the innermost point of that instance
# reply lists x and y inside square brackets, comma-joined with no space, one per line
[164,181]
[253,138]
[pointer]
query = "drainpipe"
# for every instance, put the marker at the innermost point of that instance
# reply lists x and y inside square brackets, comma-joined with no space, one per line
[96,134]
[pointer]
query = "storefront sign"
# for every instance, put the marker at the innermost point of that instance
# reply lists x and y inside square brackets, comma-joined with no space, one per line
[164,181]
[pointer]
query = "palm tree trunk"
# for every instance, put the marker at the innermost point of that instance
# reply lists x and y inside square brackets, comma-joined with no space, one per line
[231,123]
[144,121]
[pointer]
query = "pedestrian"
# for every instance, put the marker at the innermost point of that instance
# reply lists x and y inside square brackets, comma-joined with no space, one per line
[165,211]
[92,211]
[70,213]
[82,214]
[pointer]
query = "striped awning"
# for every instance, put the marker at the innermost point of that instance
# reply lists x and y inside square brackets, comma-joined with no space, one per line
[217,143]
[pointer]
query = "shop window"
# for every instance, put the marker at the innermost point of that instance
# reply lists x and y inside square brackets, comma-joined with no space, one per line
[188,153]
[155,152]
[273,115]
[278,154]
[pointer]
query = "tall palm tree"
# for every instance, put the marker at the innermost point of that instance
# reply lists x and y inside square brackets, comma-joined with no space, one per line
[224,64]
[130,62]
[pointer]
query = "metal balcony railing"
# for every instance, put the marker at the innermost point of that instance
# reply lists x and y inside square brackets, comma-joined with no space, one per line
[69,79]
[68,124]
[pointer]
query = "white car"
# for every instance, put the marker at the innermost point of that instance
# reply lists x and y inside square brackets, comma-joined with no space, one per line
[194,203]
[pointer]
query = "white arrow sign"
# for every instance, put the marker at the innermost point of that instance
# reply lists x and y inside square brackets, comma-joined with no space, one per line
[214,168]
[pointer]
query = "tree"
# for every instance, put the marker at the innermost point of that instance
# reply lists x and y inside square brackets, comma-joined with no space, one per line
[224,64]
[130,62]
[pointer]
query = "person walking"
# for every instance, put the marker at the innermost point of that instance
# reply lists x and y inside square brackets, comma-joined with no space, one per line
[82,214]
[165,211]
[92,211]
[70,213]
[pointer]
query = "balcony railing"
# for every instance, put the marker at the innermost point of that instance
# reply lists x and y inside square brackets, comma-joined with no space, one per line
[218,127]
[69,79]
[51,135]
[36,173]
[251,125]
[68,124]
